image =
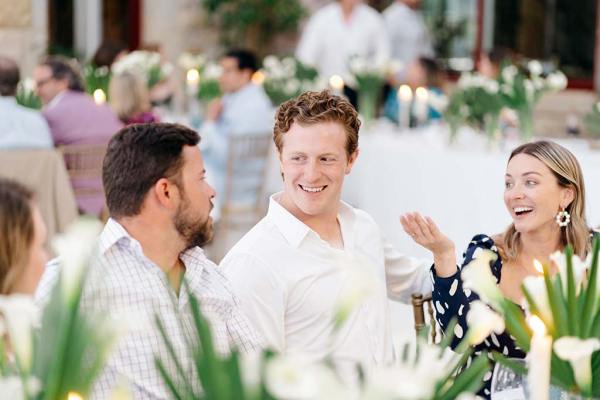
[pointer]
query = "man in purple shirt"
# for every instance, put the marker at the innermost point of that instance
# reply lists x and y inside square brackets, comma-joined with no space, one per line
[74,117]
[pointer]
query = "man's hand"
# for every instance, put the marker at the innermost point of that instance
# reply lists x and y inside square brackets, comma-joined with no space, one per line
[214,109]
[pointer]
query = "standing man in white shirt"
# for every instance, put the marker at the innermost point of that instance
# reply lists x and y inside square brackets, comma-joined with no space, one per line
[339,31]
[20,127]
[408,34]
[290,269]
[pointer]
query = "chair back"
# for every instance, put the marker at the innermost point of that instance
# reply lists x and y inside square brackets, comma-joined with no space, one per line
[84,166]
[245,176]
[418,301]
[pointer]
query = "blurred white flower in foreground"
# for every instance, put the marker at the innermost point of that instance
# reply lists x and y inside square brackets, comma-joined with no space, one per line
[477,276]
[18,316]
[482,322]
[579,353]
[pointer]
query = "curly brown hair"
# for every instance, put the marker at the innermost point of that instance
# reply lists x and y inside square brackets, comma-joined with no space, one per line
[313,107]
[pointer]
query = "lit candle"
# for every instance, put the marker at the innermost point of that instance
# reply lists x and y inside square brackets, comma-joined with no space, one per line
[538,360]
[74,396]
[192,78]
[538,266]
[337,84]
[404,103]
[421,108]
[258,78]
[99,96]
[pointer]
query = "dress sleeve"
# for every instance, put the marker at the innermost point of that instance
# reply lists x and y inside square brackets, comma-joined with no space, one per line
[450,299]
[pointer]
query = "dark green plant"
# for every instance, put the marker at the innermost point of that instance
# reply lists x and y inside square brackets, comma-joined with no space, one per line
[443,31]
[253,24]
[27,97]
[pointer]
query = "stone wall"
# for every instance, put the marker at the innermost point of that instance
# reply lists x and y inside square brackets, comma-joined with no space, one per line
[23,31]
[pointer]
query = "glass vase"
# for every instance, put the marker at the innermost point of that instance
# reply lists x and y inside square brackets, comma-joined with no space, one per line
[367,103]
[526,124]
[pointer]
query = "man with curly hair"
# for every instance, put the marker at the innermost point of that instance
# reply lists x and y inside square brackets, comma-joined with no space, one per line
[296,270]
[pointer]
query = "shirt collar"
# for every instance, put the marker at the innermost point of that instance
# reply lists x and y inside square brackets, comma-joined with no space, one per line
[114,233]
[295,230]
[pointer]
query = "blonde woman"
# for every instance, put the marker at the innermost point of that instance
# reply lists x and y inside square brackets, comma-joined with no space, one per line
[545,197]
[129,98]
[22,240]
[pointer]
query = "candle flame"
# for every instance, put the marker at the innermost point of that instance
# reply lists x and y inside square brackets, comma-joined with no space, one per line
[336,82]
[74,396]
[421,93]
[538,266]
[405,93]
[99,96]
[193,76]
[536,325]
[258,78]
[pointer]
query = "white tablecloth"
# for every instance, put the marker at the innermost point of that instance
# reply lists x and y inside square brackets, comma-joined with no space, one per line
[460,186]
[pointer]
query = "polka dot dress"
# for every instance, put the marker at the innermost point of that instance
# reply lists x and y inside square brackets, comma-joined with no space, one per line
[451,300]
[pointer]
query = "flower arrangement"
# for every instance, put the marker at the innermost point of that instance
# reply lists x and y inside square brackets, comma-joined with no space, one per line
[478,101]
[521,88]
[592,120]
[474,102]
[146,64]
[562,311]
[26,95]
[286,78]
[61,354]
[205,84]
[96,78]
[369,79]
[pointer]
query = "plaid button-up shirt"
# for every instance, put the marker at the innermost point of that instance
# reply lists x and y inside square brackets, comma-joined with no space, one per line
[123,282]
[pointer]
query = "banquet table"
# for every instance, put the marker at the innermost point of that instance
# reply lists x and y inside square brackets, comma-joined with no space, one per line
[460,185]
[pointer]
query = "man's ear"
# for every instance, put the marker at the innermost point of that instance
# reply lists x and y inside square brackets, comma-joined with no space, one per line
[166,193]
[351,161]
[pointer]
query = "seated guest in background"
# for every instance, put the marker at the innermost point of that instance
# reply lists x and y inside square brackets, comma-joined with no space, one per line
[159,204]
[129,99]
[491,62]
[73,116]
[22,240]
[545,197]
[423,72]
[243,109]
[291,268]
[20,127]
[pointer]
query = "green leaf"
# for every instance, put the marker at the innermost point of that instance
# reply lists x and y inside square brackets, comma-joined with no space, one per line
[590,292]
[557,305]
[470,379]
[572,315]
[169,381]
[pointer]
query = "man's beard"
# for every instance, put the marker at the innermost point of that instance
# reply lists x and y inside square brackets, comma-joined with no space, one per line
[194,232]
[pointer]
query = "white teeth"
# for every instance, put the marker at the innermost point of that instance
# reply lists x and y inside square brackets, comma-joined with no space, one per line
[522,209]
[312,189]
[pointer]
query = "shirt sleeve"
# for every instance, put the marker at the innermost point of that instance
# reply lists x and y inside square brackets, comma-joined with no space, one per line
[450,299]
[405,275]
[261,295]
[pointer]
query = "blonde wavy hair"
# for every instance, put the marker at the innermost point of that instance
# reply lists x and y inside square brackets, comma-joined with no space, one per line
[128,95]
[567,171]
[16,232]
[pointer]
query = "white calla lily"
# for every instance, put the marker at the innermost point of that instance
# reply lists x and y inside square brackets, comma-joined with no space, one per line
[482,322]
[20,315]
[477,276]
[75,248]
[579,353]
[579,268]
[399,382]
[536,286]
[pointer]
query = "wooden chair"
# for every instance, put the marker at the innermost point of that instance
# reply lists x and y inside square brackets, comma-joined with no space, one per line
[84,163]
[418,301]
[245,179]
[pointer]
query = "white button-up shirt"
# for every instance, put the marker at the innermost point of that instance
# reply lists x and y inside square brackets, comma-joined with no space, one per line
[408,34]
[329,41]
[289,281]
[124,282]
